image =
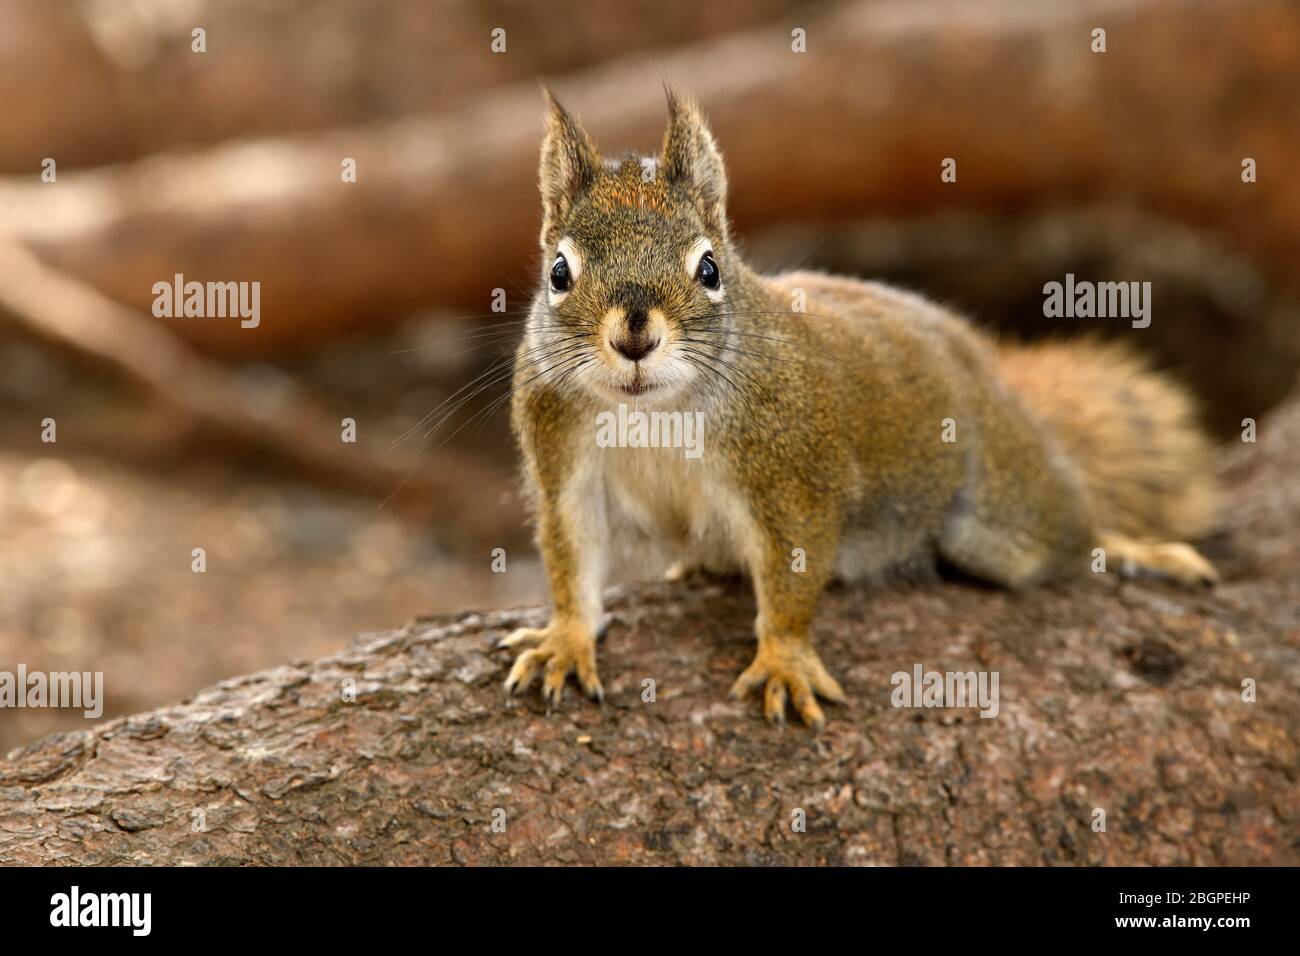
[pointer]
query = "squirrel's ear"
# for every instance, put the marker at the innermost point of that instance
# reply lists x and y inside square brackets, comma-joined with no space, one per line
[691,159]
[569,165]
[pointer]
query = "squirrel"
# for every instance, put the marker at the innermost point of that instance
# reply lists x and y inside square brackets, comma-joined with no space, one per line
[868,434]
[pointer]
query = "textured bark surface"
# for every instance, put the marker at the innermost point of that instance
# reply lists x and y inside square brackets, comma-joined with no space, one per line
[1120,697]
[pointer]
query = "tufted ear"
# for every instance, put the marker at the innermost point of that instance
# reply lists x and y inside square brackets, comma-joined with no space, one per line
[569,165]
[691,159]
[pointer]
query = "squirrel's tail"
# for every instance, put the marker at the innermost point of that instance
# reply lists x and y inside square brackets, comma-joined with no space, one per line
[1147,467]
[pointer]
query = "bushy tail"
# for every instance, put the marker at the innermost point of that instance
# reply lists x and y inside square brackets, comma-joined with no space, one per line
[1147,467]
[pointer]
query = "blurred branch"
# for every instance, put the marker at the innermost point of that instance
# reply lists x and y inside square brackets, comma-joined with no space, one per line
[444,210]
[127,83]
[77,318]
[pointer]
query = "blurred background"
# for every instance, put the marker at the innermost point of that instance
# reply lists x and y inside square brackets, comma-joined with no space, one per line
[378,295]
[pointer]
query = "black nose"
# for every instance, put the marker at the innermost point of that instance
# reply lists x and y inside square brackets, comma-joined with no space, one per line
[636,347]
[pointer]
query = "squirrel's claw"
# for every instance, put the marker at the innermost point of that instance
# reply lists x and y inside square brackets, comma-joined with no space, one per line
[790,672]
[1173,561]
[558,652]
[520,637]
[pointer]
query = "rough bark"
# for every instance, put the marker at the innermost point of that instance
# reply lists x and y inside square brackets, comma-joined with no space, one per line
[1120,697]
[443,210]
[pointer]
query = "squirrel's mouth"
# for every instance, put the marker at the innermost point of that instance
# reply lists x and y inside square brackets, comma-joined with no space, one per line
[636,386]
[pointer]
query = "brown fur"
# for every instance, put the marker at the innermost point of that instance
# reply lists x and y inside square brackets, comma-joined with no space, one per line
[828,402]
[1148,469]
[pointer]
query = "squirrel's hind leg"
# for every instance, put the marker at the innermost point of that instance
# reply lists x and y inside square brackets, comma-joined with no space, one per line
[1172,560]
[1009,557]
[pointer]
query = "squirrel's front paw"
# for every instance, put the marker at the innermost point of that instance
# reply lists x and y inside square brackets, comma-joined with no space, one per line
[789,669]
[560,649]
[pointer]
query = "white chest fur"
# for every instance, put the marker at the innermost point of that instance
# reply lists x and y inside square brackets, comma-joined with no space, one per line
[683,505]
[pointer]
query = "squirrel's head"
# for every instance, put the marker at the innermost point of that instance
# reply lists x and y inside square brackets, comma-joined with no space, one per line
[635,258]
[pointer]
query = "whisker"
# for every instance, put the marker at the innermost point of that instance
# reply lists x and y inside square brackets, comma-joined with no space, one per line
[502,376]
[771,338]
[501,368]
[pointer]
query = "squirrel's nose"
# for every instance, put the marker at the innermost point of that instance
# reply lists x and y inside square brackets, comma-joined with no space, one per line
[635,348]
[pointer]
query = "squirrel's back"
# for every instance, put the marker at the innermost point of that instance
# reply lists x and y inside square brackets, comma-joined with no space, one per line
[1143,463]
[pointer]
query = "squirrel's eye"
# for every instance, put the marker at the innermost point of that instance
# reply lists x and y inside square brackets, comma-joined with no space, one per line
[708,273]
[560,278]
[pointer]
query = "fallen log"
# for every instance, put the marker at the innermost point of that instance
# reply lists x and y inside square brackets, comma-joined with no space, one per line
[443,210]
[1123,735]
[127,82]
